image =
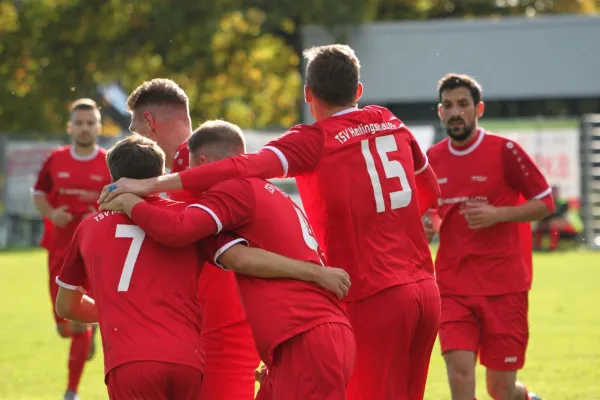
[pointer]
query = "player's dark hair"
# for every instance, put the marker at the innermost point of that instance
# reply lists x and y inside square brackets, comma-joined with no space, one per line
[84,104]
[454,81]
[224,139]
[333,73]
[135,157]
[157,92]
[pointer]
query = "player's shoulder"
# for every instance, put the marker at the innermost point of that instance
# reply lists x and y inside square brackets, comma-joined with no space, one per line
[439,148]
[495,140]
[102,152]
[60,151]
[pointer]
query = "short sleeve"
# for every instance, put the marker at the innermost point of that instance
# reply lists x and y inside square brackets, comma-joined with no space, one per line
[420,162]
[522,174]
[72,274]
[43,184]
[299,149]
[231,203]
[213,246]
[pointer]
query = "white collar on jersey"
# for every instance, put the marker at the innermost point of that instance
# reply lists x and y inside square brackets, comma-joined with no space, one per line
[469,149]
[346,111]
[84,158]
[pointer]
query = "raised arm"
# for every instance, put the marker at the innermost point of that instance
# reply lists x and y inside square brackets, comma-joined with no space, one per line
[298,151]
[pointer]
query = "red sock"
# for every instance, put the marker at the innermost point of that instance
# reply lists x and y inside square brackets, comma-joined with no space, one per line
[80,347]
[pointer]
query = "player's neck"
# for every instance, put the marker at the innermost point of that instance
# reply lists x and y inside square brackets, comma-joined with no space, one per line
[470,139]
[177,135]
[326,112]
[83,151]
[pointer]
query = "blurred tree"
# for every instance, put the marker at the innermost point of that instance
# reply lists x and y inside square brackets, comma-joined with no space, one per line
[236,59]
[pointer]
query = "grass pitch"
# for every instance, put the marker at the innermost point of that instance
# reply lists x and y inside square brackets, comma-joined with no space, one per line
[563,358]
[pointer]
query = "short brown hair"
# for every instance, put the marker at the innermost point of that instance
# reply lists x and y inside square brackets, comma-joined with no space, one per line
[454,81]
[84,104]
[157,92]
[333,73]
[135,157]
[224,138]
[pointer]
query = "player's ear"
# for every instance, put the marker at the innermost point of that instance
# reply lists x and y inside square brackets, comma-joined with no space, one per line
[359,91]
[150,121]
[439,111]
[308,95]
[69,127]
[480,108]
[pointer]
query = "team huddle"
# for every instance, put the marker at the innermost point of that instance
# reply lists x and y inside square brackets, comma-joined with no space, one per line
[196,276]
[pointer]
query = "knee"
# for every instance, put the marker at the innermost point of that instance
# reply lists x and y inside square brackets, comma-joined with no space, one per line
[461,374]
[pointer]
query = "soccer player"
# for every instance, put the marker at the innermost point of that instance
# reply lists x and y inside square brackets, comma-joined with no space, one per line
[145,294]
[160,111]
[301,330]
[490,191]
[65,192]
[363,181]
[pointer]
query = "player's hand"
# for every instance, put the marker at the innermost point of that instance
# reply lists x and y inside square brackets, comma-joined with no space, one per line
[115,204]
[428,227]
[481,215]
[260,374]
[335,280]
[141,187]
[61,216]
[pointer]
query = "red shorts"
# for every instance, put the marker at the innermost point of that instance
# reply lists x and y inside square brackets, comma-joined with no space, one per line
[54,267]
[314,365]
[154,380]
[395,331]
[230,361]
[495,327]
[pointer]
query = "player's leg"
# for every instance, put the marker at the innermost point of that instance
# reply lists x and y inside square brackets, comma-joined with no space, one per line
[504,344]
[315,365]
[384,325]
[230,361]
[80,335]
[459,339]
[424,339]
[148,380]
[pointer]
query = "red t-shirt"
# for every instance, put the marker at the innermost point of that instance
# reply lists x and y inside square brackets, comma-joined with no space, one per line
[217,291]
[181,162]
[494,260]
[145,292]
[276,309]
[356,178]
[75,181]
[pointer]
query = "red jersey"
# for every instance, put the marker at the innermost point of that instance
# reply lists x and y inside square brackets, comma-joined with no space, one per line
[75,181]
[145,292]
[494,260]
[181,162]
[265,217]
[356,177]
[217,291]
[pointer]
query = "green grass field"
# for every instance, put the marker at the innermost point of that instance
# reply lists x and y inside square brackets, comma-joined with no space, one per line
[563,358]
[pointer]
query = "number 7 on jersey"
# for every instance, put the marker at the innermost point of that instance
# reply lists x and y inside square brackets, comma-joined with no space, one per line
[391,169]
[134,232]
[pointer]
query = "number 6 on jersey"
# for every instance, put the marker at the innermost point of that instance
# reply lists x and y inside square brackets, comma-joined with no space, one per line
[134,232]
[391,169]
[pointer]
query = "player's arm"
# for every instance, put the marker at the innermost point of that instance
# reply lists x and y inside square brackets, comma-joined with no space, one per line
[231,253]
[226,206]
[298,151]
[71,303]
[43,185]
[428,188]
[522,175]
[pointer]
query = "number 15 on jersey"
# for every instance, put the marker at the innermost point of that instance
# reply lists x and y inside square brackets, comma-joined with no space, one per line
[391,169]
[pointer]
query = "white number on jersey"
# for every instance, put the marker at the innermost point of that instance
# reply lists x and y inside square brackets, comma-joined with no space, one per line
[391,168]
[138,235]
[307,233]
